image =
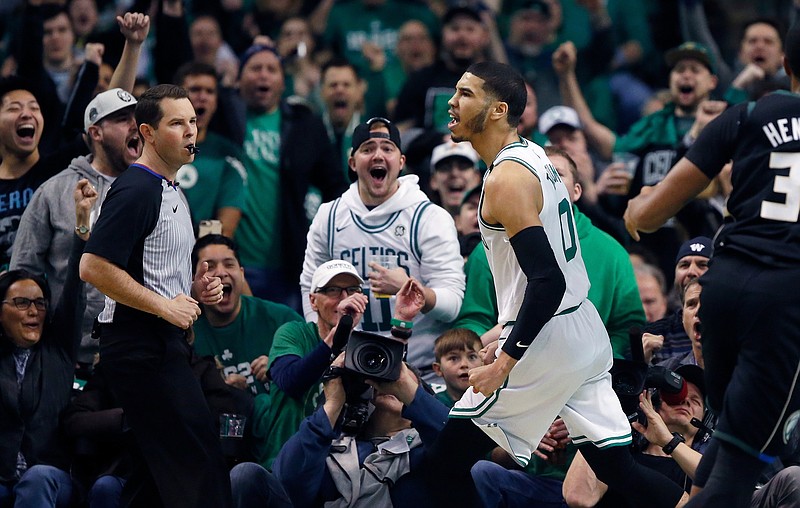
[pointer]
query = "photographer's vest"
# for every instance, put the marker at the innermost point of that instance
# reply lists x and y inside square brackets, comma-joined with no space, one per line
[368,485]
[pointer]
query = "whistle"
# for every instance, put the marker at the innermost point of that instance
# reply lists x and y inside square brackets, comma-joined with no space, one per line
[193,149]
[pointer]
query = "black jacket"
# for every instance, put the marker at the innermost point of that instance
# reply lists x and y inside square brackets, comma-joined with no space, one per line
[29,421]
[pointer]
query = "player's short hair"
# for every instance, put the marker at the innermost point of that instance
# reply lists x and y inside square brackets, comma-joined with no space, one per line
[505,84]
[573,168]
[148,109]
[456,339]
[213,239]
[194,68]
[792,49]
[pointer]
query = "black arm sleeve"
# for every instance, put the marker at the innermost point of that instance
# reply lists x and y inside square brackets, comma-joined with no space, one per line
[546,287]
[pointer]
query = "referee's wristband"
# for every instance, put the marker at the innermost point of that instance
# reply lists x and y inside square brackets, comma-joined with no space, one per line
[408,325]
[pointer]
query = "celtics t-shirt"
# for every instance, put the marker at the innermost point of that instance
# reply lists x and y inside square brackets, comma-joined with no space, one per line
[215,179]
[259,231]
[245,339]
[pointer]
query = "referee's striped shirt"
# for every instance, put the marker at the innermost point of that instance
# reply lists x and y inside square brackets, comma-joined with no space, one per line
[145,228]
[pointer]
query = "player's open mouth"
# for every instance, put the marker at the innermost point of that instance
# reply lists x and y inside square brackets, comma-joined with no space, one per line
[200,111]
[340,104]
[454,120]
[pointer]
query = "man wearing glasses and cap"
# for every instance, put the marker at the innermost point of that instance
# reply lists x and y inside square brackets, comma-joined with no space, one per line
[388,229]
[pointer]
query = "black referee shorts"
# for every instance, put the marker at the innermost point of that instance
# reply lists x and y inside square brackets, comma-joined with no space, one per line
[751,347]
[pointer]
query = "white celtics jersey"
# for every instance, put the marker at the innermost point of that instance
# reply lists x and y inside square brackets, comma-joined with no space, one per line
[419,236]
[559,226]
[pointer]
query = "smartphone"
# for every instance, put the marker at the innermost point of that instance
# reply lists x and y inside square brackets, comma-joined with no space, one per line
[209,227]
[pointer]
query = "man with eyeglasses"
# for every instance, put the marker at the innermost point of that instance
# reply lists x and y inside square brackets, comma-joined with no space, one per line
[384,214]
[301,351]
[238,330]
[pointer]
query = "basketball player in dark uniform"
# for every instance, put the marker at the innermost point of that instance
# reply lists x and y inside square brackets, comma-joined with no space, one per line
[750,305]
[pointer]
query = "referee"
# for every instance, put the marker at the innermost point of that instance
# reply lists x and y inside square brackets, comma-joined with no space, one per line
[139,256]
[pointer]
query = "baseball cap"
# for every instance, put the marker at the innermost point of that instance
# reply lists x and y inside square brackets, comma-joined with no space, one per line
[697,246]
[559,115]
[106,103]
[448,149]
[464,9]
[693,50]
[362,132]
[693,374]
[330,269]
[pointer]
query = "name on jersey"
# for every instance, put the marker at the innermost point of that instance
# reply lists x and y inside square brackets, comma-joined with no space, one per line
[782,131]
[359,257]
[551,174]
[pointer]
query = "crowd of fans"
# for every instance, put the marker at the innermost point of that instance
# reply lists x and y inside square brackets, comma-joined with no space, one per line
[293,204]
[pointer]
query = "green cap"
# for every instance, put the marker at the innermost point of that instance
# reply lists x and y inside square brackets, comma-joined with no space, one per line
[693,50]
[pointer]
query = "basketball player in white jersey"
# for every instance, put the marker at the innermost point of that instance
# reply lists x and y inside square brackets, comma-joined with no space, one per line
[550,328]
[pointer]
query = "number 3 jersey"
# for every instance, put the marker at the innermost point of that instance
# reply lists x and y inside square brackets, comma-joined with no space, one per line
[763,139]
[418,235]
[559,226]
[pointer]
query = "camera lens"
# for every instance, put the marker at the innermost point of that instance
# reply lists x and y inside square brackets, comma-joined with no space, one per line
[372,359]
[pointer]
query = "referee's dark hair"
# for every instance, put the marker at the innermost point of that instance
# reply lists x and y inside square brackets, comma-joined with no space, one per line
[505,84]
[205,241]
[148,109]
[792,50]
[194,68]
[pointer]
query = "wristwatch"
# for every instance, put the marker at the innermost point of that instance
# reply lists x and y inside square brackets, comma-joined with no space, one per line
[82,230]
[674,442]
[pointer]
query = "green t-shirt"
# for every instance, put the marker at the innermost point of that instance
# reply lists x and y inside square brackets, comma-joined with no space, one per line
[281,420]
[259,231]
[245,339]
[351,24]
[214,180]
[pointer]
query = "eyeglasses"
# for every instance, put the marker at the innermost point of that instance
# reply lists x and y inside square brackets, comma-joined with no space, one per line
[333,291]
[22,303]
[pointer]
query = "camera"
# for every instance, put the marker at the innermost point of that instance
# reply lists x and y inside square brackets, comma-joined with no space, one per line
[629,378]
[366,356]
[373,356]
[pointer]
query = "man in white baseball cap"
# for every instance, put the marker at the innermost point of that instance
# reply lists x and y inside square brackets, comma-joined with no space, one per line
[454,170]
[47,226]
[107,103]
[301,352]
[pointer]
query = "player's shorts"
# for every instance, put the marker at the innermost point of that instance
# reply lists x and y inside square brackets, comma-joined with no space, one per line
[751,347]
[564,372]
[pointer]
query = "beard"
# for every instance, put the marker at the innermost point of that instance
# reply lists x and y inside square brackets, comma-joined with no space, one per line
[475,125]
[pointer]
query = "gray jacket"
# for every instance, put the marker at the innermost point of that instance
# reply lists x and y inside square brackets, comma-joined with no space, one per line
[43,241]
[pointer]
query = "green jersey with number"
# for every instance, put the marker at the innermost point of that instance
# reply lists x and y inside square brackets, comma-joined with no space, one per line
[249,336]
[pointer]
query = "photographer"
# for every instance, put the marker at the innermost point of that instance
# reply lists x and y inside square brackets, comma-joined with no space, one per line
[674,446]
[385,447]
